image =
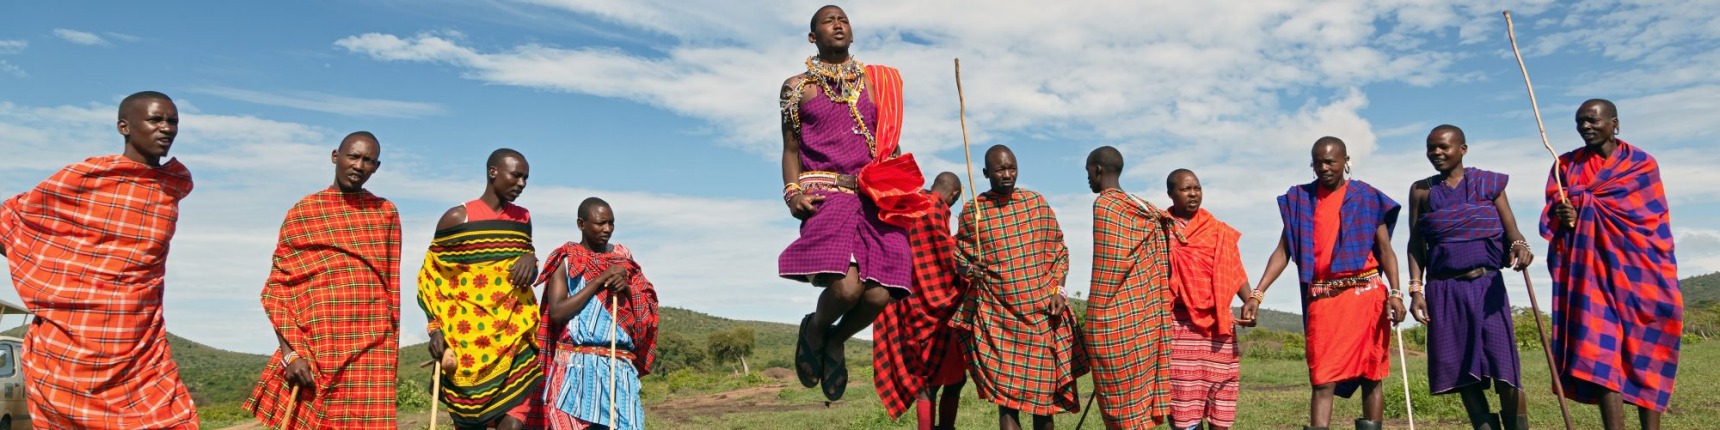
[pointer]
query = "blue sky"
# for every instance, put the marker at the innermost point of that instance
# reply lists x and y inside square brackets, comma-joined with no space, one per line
[668,111]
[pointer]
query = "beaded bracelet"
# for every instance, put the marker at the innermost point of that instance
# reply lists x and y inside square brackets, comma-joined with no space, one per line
[1257,295]
[790,191]
[1520,243]
[288,358]
[1415,286]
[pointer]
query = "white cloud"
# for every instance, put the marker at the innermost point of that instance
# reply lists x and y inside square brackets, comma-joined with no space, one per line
[10,69]
[80,37]
[702,252]
[329,103]
[1027,66]
[1239,99]
[13,46]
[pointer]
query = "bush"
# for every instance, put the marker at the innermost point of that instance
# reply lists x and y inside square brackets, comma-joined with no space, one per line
[410,395]
[1271,344]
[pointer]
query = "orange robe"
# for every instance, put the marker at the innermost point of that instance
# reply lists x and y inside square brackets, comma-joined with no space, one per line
[88,251]
[334,294]
[1128,322]
[1348,333]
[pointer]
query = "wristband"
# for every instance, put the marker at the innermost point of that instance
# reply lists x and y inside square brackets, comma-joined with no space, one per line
[287,359]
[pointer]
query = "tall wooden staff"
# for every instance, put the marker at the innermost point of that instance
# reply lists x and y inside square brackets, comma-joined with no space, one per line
[972,196]
[292,401]
[613,300]
[1403,363]
[1534,305]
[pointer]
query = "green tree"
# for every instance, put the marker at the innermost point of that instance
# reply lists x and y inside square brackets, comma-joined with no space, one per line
[1528,337]
[1703,319]
[675,352]
[732,344]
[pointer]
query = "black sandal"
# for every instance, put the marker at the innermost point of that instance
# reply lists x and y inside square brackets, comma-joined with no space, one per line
[808,361]
[835,381]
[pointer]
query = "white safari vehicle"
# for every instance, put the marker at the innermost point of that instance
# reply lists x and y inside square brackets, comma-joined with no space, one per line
[14,409]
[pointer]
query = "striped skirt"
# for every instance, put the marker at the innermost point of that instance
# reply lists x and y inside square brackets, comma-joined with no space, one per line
[578,393]
[1203,377]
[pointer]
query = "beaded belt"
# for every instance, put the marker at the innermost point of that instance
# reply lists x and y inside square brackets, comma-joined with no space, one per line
[599,350]
[823,180]
[1331,288]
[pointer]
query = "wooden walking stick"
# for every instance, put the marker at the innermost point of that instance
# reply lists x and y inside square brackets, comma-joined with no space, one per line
[968,153]
[1535,107]
[292,402]
[1541,330]
[435,384]
[612,360]
[1534,306]
[1403,364]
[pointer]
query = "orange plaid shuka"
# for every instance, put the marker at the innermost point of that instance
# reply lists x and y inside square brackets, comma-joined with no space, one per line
[1129,312]
[88,252]
[1022,356]
[334,294]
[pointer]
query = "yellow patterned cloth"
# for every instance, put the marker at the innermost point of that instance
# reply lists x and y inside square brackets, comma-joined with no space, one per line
[490,325]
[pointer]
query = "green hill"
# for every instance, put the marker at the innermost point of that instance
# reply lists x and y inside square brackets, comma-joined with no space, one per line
[774,345]
[214,376]
[1698,289]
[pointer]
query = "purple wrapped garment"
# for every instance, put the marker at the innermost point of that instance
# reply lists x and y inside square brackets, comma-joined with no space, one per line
[1471,338]
[845,230]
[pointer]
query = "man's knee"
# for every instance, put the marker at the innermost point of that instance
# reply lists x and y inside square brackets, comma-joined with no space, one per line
[1325,389]
[846,290]
[876,295]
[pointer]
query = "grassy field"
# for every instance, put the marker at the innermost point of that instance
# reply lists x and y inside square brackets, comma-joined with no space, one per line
[712,395]
[1274,395]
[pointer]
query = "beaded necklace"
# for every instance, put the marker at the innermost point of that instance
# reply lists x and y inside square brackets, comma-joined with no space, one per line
[841,83]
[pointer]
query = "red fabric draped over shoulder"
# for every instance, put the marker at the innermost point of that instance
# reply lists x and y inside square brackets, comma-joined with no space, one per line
[892,181]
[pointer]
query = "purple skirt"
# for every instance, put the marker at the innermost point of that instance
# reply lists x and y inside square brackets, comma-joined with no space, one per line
[1471,338]
[846,231]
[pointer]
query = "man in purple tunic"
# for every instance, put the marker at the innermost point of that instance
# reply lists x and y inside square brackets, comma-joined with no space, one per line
[1461,233]
[830,114]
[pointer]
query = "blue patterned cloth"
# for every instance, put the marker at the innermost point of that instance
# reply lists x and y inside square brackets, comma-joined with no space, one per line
[1364,209]
[585,394]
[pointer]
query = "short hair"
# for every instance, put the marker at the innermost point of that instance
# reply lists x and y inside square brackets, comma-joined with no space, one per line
[946,179]
[359,134]
[139,97]
[1332,141]
[499,154]
[813,26]
[1108,158]
[1448,128]
[1171,181]
[1611,108]
[591,204]
[996,149]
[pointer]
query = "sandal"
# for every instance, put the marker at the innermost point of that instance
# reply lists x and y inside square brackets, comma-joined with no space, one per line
[835,381]
[808,361]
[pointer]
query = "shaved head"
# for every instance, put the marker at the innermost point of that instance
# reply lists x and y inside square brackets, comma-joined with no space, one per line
[996,153]
[591,204]
[357,136]
[813,23]
[1457,133]
[1108,158]
[1607,106]
[1175,176]
[500,154]
[1331,161]
[946,180]
[137,98]
[1330,142]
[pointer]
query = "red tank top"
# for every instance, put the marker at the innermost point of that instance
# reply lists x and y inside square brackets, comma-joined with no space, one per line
[476,210]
